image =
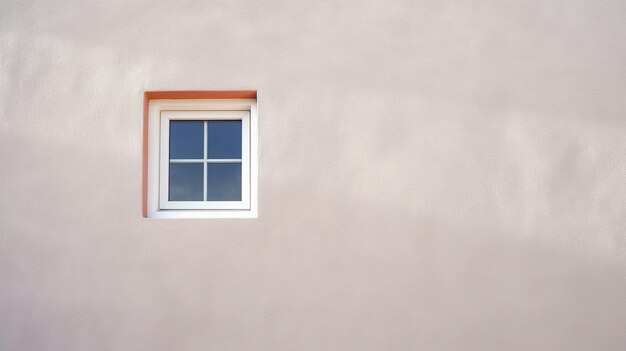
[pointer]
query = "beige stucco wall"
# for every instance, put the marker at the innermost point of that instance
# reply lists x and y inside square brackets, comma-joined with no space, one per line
[433,176]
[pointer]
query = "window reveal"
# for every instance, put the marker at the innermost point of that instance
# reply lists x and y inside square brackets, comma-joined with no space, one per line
[202,157]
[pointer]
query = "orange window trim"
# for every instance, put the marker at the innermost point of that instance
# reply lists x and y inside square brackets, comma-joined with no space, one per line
[188,94]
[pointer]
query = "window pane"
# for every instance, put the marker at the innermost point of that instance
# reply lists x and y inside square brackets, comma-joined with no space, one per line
[224,182]
[186,139]
[186,181]
[224,139]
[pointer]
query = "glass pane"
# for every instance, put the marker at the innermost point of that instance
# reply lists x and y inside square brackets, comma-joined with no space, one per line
[186,181]
[224,182]
[224,139]
[186,139]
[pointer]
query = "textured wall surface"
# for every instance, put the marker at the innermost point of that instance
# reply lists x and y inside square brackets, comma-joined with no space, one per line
[433,176]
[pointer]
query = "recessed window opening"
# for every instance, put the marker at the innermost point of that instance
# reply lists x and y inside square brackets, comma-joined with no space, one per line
[202,158]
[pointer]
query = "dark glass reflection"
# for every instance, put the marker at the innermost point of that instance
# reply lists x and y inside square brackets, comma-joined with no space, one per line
[224,139]
[224,182]
[186,139]
[186,181]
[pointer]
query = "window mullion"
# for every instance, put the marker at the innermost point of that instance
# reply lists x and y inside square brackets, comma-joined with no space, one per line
[224,160]
[185,160]
[204,185]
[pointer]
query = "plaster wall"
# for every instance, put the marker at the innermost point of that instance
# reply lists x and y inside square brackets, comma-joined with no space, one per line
[433,176]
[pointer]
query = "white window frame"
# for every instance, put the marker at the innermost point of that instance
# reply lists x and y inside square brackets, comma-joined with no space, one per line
[161,112]
[165,161]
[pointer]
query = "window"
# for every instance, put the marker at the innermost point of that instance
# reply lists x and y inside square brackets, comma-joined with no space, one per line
[201,156]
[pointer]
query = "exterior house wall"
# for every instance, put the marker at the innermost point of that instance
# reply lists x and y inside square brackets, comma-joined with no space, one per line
[433,176]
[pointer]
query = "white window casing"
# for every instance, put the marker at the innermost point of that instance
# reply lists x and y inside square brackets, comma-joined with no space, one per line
[161,112]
